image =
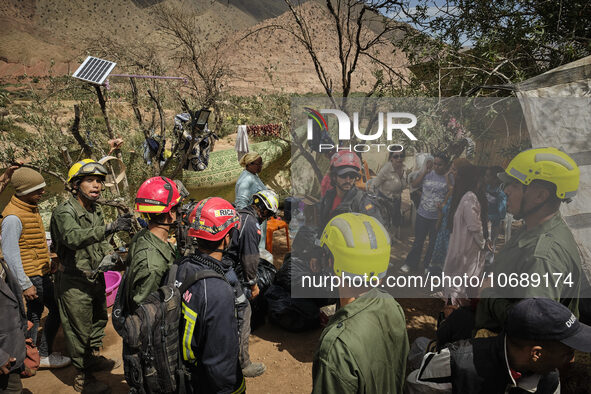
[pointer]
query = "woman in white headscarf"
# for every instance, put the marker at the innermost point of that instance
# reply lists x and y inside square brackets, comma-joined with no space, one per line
[248,182]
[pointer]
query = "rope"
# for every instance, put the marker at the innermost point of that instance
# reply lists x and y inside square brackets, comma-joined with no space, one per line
[147,76]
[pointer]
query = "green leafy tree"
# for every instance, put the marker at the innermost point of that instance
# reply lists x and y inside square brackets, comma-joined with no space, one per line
[459,45]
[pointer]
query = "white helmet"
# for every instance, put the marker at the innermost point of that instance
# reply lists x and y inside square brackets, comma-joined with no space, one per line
[266,199]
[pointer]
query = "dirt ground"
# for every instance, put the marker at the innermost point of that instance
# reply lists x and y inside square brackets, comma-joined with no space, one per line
[288,356]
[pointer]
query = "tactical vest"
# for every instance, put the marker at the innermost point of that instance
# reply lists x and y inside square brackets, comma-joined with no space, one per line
[32,243]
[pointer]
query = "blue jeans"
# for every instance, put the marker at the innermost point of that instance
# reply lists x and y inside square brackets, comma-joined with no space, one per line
[45,298]
[423,227]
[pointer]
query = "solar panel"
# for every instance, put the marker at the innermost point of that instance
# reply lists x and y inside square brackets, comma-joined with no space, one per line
[94,70]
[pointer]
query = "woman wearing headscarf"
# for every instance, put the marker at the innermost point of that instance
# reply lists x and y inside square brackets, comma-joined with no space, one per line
[468,228]
[248,182]
[442,240]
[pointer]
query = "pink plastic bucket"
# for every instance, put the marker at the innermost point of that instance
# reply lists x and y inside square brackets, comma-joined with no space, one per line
[112,281]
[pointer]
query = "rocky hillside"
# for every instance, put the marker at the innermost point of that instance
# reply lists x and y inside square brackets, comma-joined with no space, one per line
[271,58]
[39,35]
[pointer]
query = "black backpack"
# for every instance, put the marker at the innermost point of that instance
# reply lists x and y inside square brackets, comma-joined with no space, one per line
[354,205]
[151,354]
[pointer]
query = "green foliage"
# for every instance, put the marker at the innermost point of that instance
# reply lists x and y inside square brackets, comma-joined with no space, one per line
[472,43]
[8,126]
[40,147]
[512,150]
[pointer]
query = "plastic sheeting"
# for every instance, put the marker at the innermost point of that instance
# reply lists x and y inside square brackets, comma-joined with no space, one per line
[557,109]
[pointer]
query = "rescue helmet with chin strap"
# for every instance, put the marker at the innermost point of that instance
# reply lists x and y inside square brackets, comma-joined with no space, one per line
[546,164]
[212,218]
[157,195]
[86,167]
[266,199]
[344,162]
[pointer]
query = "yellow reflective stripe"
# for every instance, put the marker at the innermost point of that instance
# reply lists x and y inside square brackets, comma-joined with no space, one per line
[190,322]
[149,208]
[242,387]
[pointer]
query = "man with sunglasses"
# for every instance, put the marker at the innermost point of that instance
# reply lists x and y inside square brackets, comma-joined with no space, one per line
[79,236]
[536,182]
[244,252]
[345,197]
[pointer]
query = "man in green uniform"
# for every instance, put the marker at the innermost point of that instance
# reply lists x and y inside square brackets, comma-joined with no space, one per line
[364,347]
[543,255]
[150,257]
[79,236]
[150,253]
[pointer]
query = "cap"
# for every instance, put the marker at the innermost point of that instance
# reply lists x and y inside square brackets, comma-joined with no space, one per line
[26,180]
[544,319]
[347,170]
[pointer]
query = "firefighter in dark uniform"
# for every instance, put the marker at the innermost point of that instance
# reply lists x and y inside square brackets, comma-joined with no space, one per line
[208,327]
[79,234]
[345,170]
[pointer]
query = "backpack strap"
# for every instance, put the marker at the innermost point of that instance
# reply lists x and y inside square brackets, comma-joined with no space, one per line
[197,276]
[183,372]
[172,274]
[246,218]
[356,201]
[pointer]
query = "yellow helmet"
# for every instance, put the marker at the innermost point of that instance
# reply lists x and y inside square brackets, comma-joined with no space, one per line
[86,167]
[359,245]
[547,164]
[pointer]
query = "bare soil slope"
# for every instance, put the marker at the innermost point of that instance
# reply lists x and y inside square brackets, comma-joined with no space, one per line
[43,36]
[268,56]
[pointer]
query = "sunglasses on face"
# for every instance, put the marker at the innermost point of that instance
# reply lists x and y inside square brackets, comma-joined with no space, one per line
[397,157]
[349,175]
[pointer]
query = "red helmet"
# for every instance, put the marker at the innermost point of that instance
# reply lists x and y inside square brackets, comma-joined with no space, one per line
[345,158]
[212,219]
[157,195]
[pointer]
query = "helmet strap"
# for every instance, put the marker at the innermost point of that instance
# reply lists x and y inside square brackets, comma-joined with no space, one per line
[224,250]
[85,196]
[259,214]
[75,190]
[524,213]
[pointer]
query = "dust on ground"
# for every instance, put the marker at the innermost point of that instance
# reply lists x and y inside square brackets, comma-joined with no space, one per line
[288,356]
